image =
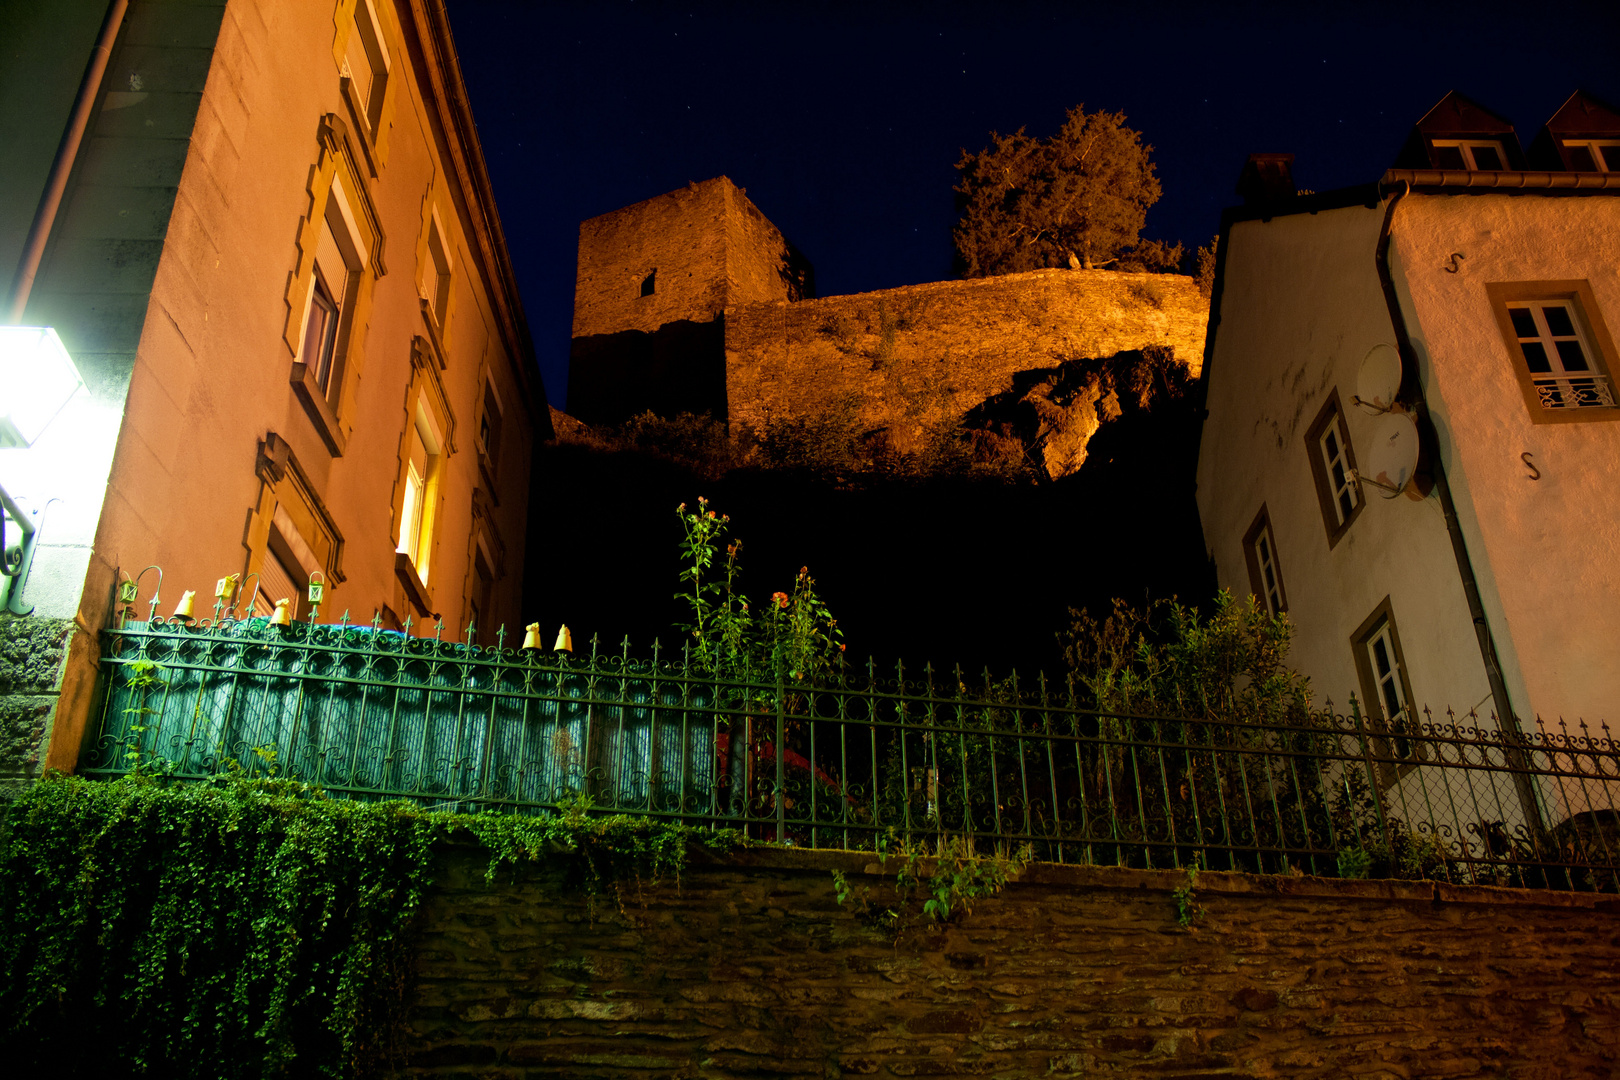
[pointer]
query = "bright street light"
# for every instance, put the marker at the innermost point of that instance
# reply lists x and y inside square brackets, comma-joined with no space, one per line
[37,378]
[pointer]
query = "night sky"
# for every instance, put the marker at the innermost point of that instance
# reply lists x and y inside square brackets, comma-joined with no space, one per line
[844,120]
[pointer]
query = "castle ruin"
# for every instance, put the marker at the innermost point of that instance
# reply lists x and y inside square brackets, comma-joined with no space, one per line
[694,302]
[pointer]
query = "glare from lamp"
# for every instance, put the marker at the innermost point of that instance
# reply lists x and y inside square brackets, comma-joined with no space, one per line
[37,378]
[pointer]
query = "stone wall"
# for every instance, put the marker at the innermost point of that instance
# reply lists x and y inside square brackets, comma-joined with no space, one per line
[908,358]
[707,248]
[33,653]
[682,235]
[749,967]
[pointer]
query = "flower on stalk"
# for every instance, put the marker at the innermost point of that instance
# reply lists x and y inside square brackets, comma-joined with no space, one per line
[781,599]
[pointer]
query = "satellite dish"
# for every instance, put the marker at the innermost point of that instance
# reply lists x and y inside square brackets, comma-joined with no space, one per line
[1379,379]
[1392,454]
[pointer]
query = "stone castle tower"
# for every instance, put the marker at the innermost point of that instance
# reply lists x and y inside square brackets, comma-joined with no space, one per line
[653,285]
[694,302]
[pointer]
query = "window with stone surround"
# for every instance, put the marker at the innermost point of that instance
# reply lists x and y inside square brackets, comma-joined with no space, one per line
[1265,571]
[1386,692]
[1333,469]
[328,297]
[1560,350]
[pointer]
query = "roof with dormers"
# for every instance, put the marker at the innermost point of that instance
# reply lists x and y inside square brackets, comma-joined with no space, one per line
[1584,114]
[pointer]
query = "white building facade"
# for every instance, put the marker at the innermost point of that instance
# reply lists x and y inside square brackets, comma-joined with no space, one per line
[1490,582]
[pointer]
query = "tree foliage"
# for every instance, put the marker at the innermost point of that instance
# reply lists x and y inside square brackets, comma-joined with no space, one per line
[1079,197]
[1169,660]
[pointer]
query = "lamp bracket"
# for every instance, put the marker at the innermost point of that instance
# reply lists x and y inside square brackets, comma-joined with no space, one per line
[15,565]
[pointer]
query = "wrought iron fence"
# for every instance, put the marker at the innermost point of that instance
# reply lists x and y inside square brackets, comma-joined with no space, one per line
[857,761]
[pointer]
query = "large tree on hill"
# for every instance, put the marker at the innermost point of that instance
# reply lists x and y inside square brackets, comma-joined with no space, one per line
[1077,199]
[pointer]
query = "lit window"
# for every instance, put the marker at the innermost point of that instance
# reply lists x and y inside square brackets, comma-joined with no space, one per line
[1593,155]
[421,476]
[1558,347]
[1474,155]
[1265,575]
[366,62]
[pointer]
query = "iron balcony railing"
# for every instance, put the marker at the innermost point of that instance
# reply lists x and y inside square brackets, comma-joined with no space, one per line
[857,761]
[1588,391]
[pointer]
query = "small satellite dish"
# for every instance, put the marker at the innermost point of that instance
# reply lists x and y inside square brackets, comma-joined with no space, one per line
[1379,379]
[1392,454]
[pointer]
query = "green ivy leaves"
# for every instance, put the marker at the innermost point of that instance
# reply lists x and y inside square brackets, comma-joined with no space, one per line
[243,928]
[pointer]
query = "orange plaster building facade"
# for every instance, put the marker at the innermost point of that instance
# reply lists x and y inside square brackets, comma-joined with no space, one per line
[279,267]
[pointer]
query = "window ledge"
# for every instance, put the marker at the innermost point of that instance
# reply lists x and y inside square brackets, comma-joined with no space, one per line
[415,591]
[367,146]
[435,334]
[319,409]
[487,468]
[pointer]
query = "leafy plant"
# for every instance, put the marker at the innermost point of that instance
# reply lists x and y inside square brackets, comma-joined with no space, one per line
[947,883]
[1168,659]
[796,636]
[245,928]
[1188,910]
[142,676]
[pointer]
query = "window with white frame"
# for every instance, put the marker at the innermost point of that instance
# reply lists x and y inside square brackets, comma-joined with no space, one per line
[1386,687]
[1559,347]
[1474,155]
[1265,572]
[1562,365]
[366,60]
[1593,155]
[1333,468]
[1336,460]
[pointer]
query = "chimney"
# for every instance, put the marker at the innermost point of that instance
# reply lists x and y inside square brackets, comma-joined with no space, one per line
[1267,178]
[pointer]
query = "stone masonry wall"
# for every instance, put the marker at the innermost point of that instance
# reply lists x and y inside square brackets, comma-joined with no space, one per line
[750,967]
[33,652]
[710,246]
[681,234]
[907,358]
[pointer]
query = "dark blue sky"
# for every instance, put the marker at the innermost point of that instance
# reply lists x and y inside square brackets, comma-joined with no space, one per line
[844,120]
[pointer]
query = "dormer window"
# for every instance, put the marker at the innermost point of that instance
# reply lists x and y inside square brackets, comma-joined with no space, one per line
[1474,155]
[1593,155]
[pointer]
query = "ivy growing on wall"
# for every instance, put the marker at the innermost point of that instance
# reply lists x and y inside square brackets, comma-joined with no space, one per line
[246,928]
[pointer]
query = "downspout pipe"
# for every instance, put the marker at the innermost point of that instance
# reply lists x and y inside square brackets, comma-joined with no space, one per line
[1413,387]
[67,152]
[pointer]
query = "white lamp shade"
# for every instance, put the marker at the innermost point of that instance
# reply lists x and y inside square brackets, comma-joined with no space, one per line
[37,378]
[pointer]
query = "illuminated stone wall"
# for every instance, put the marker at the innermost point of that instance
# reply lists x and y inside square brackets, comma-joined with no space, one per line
[906,358]
[707,249]
[752,968]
